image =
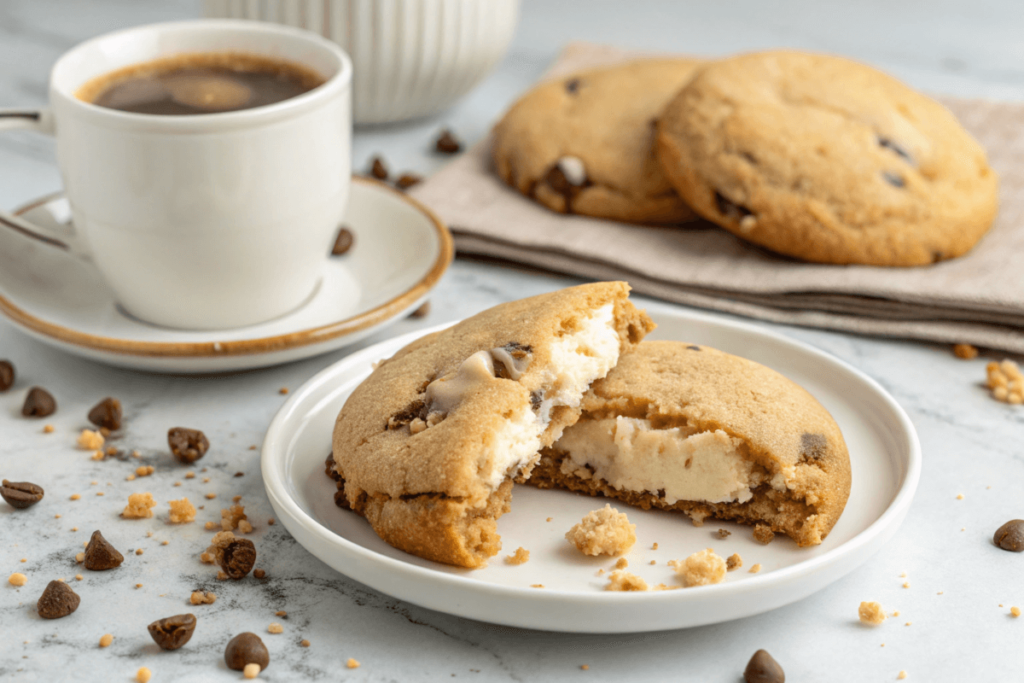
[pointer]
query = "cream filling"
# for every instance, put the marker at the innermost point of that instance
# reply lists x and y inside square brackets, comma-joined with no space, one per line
[630,455]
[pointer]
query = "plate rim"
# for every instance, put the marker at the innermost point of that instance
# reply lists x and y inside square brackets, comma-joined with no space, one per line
[260,345]
[888,521]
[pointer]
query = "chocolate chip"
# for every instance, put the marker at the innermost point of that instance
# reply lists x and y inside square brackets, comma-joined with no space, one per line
[692,347]
[39,403]
[447,143]
[762,668]
[343,242]
[187,445]
[535,400]
[173,632]
[6,375]
[329,467]
[239,474]
[937,256]
[57,601]
[1010,536]
[378,169]
[421,312]
[100,555]
[723,533]
[340,499]
[813,446]
[21,494]
[238,557]
[416,409]
[246,648]
[572,86]
[894,179]
[407,180]
[729,209]
[890,145]
[106,413]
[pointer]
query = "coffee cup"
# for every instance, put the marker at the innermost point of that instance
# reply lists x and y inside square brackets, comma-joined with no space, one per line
[206,221]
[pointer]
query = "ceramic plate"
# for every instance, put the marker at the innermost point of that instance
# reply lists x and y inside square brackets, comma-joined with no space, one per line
[401,250]
[886,463]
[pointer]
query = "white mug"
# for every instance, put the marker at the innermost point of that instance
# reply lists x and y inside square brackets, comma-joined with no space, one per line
[206,221]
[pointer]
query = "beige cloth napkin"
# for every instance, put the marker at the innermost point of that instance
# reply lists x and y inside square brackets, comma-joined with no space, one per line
[977,299]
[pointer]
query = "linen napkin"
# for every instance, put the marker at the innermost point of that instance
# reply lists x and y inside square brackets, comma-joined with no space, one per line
[976,299]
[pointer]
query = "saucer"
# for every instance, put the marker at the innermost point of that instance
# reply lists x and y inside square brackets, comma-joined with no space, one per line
[400,252]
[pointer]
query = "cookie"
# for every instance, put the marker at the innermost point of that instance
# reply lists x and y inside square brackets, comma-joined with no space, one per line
[683,427]
[826,160]
[427,447]
[584,144]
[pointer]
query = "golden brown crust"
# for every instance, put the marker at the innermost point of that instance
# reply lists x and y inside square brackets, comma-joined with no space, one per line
[826,160]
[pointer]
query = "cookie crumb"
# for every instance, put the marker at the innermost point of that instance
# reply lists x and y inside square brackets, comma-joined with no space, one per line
[654,562]
[48,429]
[139,506]
[603,532]
[965,351]
[182,511]
[871,613]
[959,496]
[271,522]
[654,546]
[75,496]
[245,527]
[283,390]
[222,576]
[17,579]
[755,569]
[78,577]
[303,643]
[211,496]
[89,440]
[106,639]
[251,670]
[1006,382]
[549,519]
[80,558]
[521,556]
[906,584]
[702,568]
[763,534]
[138,551]
[622,563]
[901,675]
[143,470]
[280,613]
[136,454]
[1015,611]
[723,533]
[584,667]
[624,581]
[275,628]
[231,517]
[130,477]
[202,598]
[138,585]
[101,493]
[143,675]
[190,475]
[732,562]
[352,664]
[536,585]
[259,573]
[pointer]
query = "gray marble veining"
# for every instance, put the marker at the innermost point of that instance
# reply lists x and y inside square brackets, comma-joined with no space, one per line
[958,579]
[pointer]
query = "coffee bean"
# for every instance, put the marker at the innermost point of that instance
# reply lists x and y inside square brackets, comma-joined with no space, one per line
[422,311]
[407,180]
[6,375]
[762,668]
[246,648]
[894,179]
[343,242]
[187,445]
[447,143]
[173,632]
[21,494]
[39,403]
[100,555]
[890,145]
[58,600]
[1009,536]
[378,169]
[106,413]
[729,209]
[238,557]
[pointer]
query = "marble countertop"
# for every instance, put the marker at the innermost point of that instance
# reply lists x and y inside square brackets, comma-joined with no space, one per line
[961,586]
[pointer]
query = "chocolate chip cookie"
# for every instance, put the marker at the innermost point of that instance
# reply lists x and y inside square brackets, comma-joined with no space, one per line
[826,160]
[584,143]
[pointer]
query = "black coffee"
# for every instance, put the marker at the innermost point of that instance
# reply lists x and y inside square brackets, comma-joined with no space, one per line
[204,83]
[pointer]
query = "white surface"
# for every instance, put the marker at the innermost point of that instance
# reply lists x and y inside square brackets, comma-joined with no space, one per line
[395,246]
[969,442]
[412,58]
[884,453]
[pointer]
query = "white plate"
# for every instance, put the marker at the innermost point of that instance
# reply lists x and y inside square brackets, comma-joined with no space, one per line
[401,250]
[884,451]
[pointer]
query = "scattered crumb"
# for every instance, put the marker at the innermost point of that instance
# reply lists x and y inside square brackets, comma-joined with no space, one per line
[271,522]
[182,511]
[75,496]
[1006,382]
[903,674]
[259,572]
[624,581]
[521,556]
[190,475]
[653,562]
[275,628]
[251,670]
[663,587]
[280,613]
[871,613]
[210,526]
[940,593]
[143,675]
[252,447]
[138,585]
[622,563]
[56,516]
[283,390]
[101,493]
[303,643]
[130,477]
[536,585]
[17,579]
[903,575]
[908,623]
[959,496]
[78,577]
[48,429]
[732,562]
[599,572]
[549,519]
[603,532]
[80,558]
[755,569]
[138,551]
[723,533]
[106,639]
[584,667]
[1015,611]
[906,584]
[211,496]
[245,527]
[136,454]
[202,598]
[89,440]
[230,517]
[352,664]
[143,470]
[206,480]
[177,483]
[654,546]
[222,576]
[896,613]
[25,559]
[702,568]
[110,450]
[139,506]
[763,534]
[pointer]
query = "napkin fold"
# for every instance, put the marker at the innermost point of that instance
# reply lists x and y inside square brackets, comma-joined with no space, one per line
[976,299]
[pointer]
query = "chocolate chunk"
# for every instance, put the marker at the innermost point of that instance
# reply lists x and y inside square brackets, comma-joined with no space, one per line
[894,179]
[813,446]
[416,409]
[343,242]
[890,145]
[100,555]
[187,445]
[447,143]
[407,180]
[763,534]
[1009,536]
[535,400]
[58,600]
[246,648]
[106,413]
[173,632]
[329,467]
[21,494]
[340,499]
[937,256]
[421,312]
[762,668]
[723,533]
[39,403]
[238,557]
[378,169]
[692,347]
[6,375]
[729,209]
[572,86]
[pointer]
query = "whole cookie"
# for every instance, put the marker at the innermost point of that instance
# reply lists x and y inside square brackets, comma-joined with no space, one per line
[686,427]
[585,143]
[826,160]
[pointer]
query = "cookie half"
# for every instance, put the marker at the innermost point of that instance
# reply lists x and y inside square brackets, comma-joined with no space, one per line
[826,160]
[683,427]
[427,447]
[585,143]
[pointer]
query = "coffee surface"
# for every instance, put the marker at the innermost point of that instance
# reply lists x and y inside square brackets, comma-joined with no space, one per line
[203,83]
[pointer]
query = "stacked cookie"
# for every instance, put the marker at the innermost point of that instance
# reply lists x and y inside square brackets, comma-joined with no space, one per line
[811,156]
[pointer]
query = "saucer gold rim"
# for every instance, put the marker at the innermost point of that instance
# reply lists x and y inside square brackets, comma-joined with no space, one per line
[291,340]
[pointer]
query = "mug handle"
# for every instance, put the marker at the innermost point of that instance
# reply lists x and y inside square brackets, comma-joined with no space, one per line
[40,121]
